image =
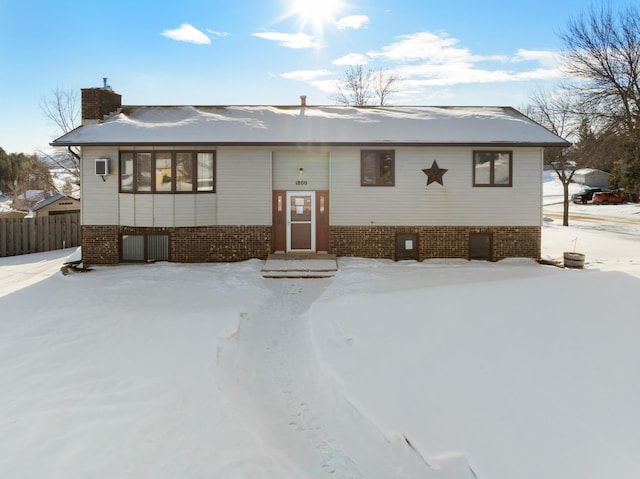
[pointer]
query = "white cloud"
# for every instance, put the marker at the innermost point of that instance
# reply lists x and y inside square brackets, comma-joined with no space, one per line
[290,40]
[315,78]
[430,47]
[428,59]
[306,75]
[354,21]
[187,33]
[218,34]
[352,59]
[431,64]
[463,73]
[544,57]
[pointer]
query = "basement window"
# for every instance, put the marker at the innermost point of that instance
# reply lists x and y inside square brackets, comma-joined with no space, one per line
[144,248]
[480,246]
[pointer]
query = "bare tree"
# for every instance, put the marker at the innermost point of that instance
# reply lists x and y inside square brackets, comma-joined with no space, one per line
[61,107]
[555,111]
[360,87]
[385,84]
[602,50]
[354,88]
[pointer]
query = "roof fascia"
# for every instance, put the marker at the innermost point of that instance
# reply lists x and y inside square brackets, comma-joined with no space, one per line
[562,144]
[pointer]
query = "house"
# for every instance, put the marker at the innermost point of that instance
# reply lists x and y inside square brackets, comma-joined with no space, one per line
[228,183]
[591,177]
[57,204]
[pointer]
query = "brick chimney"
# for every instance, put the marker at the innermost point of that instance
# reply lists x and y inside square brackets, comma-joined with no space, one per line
[98,103]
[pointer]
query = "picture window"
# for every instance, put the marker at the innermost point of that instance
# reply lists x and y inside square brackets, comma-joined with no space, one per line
[167,172]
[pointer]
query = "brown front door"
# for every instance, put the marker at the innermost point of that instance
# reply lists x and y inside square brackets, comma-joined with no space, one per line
[301,221]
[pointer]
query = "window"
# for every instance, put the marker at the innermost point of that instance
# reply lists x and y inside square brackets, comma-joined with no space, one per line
[206,171]
[480,246]
[164,172]
[167,172]
[492,168]
[377,168]
[126,172]
[143,172]
[184,172]
[141,247]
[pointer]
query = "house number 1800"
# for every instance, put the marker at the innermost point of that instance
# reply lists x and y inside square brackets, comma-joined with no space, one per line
[301,182]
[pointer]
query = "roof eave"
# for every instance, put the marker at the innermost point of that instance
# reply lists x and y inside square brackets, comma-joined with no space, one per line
[559,144]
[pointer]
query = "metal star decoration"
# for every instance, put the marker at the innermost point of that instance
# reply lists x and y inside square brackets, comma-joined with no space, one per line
[435,173]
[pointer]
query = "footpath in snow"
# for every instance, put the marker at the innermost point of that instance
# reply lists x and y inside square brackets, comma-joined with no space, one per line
[270,371]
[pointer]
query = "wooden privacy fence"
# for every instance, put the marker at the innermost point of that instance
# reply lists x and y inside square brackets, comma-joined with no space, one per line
[35,235]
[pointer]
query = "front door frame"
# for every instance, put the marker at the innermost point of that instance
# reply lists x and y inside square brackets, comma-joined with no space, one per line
[312,222]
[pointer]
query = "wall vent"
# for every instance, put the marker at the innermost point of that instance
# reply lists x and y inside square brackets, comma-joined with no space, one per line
[102,166]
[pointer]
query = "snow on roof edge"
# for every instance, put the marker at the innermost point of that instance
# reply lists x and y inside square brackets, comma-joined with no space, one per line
[313,125]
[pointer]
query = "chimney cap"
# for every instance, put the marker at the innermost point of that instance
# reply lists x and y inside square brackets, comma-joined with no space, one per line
[303,100]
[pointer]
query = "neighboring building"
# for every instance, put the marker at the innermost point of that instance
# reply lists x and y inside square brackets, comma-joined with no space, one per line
[57,204]
[591,177]
[12,214]
[28,199]
[228,183]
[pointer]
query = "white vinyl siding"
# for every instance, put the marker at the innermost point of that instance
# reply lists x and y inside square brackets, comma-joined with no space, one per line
[127,210]
[184,209]
[205,210]
[244,186]
[98,198]
[144,210]
[287,175]
[167,210]
[163,210]
[245,178]
[456,203]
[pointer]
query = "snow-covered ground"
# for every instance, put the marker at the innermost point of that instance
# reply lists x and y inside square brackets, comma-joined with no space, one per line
[407,370]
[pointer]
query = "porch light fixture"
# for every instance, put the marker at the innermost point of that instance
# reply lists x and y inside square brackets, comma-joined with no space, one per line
[301,171]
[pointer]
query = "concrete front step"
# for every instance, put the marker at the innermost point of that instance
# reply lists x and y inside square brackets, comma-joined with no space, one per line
[306,265]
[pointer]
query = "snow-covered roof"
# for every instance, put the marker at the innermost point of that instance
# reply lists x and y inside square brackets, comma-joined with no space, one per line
[270,125]
[47,201]
[590,171]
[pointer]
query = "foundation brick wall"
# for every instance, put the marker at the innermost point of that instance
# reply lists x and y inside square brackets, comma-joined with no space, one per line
[220,243]
[101,244]
[435,241]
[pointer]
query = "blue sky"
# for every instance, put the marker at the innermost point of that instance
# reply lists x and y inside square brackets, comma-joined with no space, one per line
[200,52]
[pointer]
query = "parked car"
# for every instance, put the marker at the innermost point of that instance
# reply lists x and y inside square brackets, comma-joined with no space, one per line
[607,197]
[585,194]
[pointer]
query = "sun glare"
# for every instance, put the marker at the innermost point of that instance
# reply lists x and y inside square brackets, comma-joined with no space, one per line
[315,12]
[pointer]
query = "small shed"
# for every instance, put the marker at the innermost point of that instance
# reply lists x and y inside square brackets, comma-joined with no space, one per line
[591,177]
[57,204]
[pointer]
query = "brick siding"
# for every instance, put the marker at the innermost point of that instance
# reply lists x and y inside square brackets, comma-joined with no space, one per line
[99,102]
[220,243]
[435,241]
[101,244]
